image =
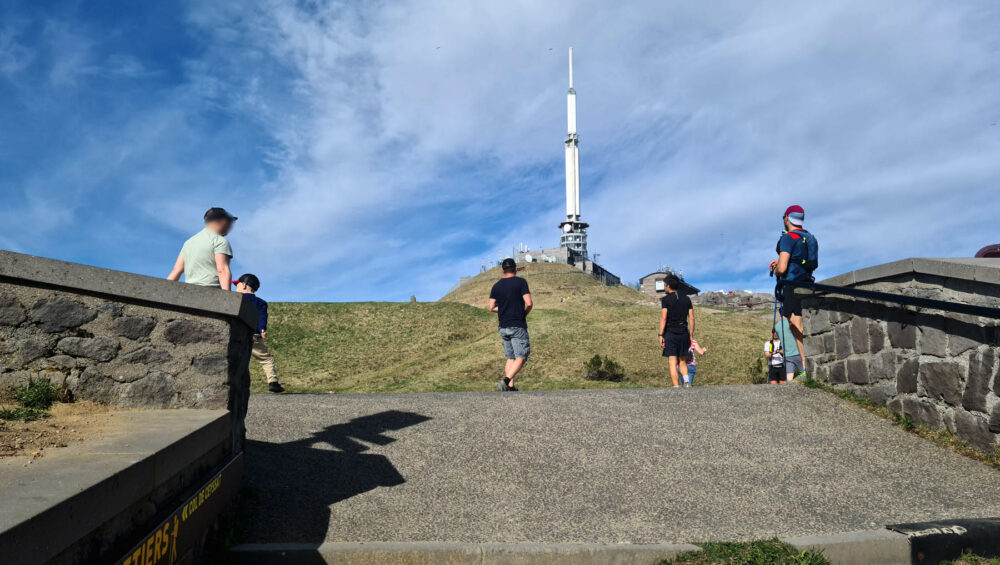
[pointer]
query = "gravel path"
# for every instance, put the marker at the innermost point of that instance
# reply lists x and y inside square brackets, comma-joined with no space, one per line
[618,466]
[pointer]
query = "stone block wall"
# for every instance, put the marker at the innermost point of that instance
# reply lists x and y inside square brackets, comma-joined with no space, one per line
[124,340]
[119,354]
[939,368]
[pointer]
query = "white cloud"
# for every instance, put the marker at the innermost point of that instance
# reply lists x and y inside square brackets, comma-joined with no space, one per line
[875,117]
[388,134]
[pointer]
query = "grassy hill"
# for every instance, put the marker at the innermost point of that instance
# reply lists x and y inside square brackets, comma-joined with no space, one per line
[452,344]
[552,286]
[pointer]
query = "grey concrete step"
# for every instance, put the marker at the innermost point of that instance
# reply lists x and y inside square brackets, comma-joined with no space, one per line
[876,547]
[431,553]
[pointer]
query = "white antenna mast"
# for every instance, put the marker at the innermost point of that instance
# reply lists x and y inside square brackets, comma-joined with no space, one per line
[574,229]
[571,67]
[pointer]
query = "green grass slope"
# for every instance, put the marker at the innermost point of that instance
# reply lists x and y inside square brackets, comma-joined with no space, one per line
[552,286]
[452,345]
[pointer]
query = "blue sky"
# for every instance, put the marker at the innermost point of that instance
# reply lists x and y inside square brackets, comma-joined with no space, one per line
[375,150]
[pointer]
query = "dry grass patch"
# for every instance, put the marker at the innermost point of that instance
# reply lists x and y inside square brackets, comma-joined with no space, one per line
[65,424]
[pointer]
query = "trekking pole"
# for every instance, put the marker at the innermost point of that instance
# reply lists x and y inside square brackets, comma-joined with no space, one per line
[774,321]
[774,318]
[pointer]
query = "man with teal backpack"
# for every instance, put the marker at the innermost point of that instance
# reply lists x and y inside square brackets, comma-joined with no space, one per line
[798,257]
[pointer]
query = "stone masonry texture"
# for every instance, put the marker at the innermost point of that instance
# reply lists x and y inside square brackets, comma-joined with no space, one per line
[940,369]
[123,354]
[125,340]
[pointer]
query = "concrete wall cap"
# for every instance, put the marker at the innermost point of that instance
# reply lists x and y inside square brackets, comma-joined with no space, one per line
[971,269]
[96,480]
[150,290]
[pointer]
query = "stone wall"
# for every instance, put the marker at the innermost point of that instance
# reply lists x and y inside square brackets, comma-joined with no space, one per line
[124,340]
[939,368]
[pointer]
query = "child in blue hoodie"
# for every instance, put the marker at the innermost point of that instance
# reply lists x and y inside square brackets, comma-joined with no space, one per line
[248,284]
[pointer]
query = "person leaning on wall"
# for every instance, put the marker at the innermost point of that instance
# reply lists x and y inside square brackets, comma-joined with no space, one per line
[797,259]
[205,257]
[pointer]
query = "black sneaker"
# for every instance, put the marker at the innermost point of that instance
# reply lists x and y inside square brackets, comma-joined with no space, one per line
[512,388]
[275,387]
[502,385]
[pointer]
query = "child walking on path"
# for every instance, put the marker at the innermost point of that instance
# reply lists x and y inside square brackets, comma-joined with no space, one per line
[692,361]
[248,284]
[775,358]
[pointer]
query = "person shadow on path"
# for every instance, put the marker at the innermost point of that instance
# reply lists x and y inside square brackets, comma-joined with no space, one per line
[291,486]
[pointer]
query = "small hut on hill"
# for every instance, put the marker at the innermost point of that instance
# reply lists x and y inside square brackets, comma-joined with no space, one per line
[652,284]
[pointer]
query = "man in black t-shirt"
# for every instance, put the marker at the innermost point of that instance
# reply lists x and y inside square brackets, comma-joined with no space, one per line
[676,328]
[511,300]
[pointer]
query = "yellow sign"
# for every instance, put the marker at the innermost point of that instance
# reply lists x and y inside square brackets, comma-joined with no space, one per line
[181,530]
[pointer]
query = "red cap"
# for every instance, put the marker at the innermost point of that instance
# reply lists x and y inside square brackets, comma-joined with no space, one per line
[235,282]
[794,209]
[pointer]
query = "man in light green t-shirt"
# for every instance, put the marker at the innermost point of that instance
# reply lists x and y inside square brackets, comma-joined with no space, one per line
[204,259]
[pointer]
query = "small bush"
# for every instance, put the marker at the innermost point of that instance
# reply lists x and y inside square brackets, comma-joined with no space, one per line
[974,560]
[23,414]
[905,421]
[762,552]
[604,369]
[38,394]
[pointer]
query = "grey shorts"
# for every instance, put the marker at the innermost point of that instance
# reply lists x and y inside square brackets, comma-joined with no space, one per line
[516,344]
[794,365]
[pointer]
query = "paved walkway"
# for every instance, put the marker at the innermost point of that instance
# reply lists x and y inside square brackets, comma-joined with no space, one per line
[639,466]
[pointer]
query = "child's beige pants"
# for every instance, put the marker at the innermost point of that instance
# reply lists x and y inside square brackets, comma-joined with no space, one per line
[261,353]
